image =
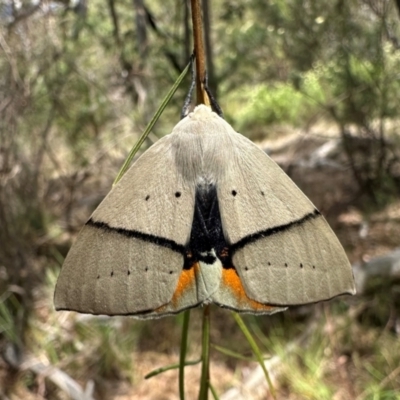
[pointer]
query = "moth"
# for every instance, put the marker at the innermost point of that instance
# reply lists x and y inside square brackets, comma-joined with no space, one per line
[203,216]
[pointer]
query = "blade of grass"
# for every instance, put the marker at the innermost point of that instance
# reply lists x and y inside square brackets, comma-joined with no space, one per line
[258,334]
[255,349]
[231,353]
[150,125]
[185,330]
[213,391]
[159,371]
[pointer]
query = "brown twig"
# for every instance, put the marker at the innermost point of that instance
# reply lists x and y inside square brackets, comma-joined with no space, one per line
[202,97]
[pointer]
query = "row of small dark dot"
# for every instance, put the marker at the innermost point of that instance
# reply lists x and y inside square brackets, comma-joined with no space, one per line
[286,265]
[171,272]
[234,193]
[129,272]
[178,194]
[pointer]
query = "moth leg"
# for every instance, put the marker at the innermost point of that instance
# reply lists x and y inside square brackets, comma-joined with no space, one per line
[188,99]
[214,104]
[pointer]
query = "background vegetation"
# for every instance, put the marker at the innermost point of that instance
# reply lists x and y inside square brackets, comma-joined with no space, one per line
[78,82]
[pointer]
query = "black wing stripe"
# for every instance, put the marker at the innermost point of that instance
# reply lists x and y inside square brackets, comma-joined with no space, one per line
[272,231]
[130,233]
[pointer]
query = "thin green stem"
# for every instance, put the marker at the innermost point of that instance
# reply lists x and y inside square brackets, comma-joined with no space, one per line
[149,127]
[185,331]
[255,349]
[213,391]
[159,371]
[231,353]
[205,355]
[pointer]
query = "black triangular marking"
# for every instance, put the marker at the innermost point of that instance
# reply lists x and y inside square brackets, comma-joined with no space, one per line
[206,234]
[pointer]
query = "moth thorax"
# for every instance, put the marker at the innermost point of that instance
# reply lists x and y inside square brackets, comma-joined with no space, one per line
[205,184]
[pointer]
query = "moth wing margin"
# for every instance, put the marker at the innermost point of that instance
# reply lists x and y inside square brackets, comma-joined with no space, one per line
[304,264]
[106,273]
[284,250]
[127,261]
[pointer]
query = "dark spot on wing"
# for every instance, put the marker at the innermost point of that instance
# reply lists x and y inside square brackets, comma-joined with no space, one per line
[178,194]
[147,197]
[234,193]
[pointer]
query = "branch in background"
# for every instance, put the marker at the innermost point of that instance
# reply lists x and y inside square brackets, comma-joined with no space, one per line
[381,10]
[143,19]
[114,18]
[172,57]
[397,2]
[23,13]
[59,378]
[132,83]
[141,30]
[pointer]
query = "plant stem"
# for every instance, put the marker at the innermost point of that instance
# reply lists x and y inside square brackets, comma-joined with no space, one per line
[205,355]
[255,349]
[214,392]
[170,367]
[185,330]
[202,97]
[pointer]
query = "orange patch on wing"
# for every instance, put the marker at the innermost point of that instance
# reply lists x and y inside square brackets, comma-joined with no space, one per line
[186,280]
[231,279]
